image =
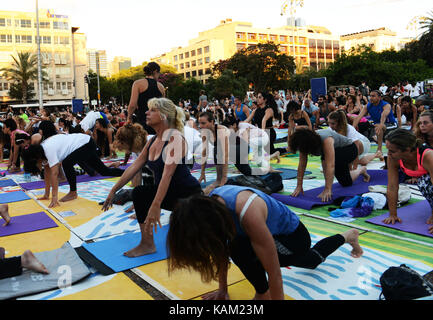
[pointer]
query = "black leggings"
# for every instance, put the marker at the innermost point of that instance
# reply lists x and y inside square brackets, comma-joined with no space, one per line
[293,250]
[343,157]
[86,154]
[142,197]
[272,138]
[10,267]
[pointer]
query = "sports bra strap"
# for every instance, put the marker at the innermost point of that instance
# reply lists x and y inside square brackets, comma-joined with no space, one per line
[246,205]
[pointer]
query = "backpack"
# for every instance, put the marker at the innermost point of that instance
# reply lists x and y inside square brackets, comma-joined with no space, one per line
[273,181]
[403,283]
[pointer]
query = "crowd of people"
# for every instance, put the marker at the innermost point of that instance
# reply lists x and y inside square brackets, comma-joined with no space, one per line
[213,223]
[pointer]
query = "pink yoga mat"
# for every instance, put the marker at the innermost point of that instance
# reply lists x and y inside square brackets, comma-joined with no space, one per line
[414,217]
[27,223]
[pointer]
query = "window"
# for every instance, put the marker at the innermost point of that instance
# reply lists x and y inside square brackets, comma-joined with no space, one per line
[60,25]
[193,53]
[5,38]
[194,73]
[200,62]
[181,66]
[69,85]
[43,25]
[199,51]
[2,22]
[240,36]
[176,66]
[187,65]
[252,36]
[175,58]
[283,49]
[263,37]
[44,39]
[206,49]
[181,56]
[200,72]
[240,46]
[283,39]
[23,39]
[25,23]
[208,71]
[188,75]
[186,55]
[6,86]
[207,60]
[274,37]
[193,63]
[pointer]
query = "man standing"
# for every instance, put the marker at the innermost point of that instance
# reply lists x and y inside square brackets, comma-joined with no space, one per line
[381,114]
[383,89]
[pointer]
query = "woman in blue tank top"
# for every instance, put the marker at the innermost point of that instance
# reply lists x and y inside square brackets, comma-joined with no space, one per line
[164,155]
[241,111]
[259,233]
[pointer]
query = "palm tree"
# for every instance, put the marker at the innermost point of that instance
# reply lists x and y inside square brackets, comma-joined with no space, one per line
[427,24]
[22,72]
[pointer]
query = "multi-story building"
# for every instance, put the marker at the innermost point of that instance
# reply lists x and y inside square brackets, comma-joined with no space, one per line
[310,45]
[118,64]
[18,33]
[378,39]
[93,56]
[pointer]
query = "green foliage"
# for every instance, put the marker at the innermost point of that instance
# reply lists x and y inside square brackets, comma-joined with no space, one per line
[22,72]
[261,65]
[226,84]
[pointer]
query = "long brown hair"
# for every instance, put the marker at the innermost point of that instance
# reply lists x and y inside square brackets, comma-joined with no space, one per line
[130,136]
[417,131]
[201,229]
[341,118]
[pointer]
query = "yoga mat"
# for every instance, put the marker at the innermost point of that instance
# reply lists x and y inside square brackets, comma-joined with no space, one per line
[309,199]
[414,219]
[288,174]
[41,184]
[110,252]
[15,196]
[65,267]
[7,183]
[27,223]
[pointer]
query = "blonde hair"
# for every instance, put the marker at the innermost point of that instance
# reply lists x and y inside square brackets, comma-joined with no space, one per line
[341,118]
[131,136]
[174,114]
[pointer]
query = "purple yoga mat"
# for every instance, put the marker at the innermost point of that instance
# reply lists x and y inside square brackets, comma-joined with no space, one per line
[414,217]
[309,199]
[27,223]
[197,166]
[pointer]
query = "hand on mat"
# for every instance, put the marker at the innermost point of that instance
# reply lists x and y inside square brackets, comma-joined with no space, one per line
[115,164]
[392,220]
[326,195]
[430,220]
[430,229]
[153,219]
[108,202]
[216,295]
[54,203]
[202,178]
[44,197]
[297,191]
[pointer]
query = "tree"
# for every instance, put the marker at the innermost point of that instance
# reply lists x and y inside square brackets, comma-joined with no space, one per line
[22,72]
[263,65]
[226,84]
[423,48]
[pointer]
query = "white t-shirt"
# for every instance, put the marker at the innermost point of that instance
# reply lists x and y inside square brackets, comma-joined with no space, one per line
[254,131]
[89,121]
[383,89]
[354,135]
[193,139]
[58,147]
[408,89]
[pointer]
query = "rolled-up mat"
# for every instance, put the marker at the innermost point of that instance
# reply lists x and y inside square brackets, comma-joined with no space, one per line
[64,265]
[414,217]
[15,196]
[27,223]
[309,199]
[106,256]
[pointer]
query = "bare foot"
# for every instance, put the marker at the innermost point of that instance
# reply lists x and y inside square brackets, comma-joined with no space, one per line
[140,250]
[72,195]
[351,238]
[29,261]
[365,174]
[133,217]
[379,154]
[276,155]
[274,170]
[2,253]
[4,213]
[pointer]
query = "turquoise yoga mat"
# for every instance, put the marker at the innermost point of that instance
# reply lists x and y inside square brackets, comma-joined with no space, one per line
[15,196]
[110,251]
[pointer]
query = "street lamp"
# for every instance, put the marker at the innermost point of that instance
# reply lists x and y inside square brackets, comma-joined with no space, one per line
[38,40]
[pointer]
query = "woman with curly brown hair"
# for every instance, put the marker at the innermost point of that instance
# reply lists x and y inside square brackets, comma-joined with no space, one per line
[259,233]
[424,127]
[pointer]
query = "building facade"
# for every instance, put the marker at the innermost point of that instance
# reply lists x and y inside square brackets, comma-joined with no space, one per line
[378,39]
[118,64]
[94,57]
[310,45]
[18,33]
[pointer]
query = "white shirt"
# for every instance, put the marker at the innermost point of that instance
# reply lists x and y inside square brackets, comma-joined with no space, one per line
[354,135]
[193,139]
[408,89]
[60,146]
[89,121]
[383,89]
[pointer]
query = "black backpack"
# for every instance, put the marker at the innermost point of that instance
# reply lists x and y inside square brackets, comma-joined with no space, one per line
[403,283]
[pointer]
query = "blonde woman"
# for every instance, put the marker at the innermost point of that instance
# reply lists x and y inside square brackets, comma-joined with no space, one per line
[164,155]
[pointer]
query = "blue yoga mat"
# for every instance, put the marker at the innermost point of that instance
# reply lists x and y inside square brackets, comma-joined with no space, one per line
[288,174]
[15,196]
[7,183]
[110,252]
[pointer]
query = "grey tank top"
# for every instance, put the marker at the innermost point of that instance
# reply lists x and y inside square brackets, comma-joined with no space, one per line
[339,140]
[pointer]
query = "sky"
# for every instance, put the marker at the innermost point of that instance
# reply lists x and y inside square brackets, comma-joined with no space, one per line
[141,29]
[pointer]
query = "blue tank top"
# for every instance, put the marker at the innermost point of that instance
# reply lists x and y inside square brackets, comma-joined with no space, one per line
[281,220]
[181,178]
[376,112]
[240,114]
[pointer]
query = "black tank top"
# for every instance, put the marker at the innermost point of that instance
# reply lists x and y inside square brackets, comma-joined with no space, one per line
[258,117]
[152,91]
